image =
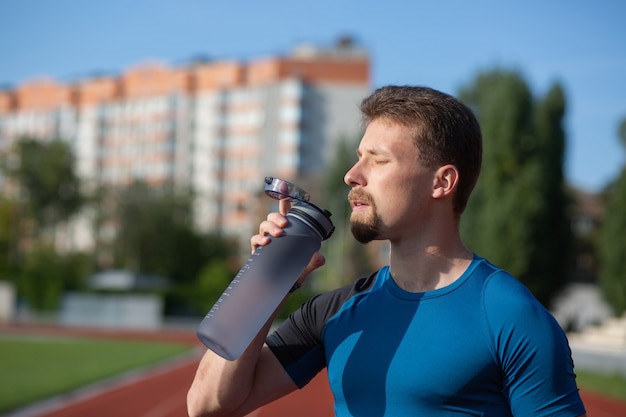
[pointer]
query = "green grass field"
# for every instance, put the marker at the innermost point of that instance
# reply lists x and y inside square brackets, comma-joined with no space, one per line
[32,368]
[609,385]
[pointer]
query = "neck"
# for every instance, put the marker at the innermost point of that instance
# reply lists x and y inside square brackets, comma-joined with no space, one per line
[418,268]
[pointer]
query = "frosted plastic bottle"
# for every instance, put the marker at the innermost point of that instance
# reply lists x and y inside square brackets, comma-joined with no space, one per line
[262,283]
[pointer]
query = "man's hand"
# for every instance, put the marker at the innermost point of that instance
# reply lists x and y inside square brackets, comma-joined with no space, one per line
[273,226]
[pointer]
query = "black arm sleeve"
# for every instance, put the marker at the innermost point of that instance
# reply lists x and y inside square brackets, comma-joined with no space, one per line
[298,343]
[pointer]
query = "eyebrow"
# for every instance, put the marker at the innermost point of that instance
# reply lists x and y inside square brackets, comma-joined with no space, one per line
[374,152]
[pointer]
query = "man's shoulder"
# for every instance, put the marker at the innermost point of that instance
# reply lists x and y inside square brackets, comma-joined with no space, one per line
[333,299]
[499,284]
[506,301]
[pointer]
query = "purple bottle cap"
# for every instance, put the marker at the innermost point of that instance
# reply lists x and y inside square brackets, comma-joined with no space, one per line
[280,189]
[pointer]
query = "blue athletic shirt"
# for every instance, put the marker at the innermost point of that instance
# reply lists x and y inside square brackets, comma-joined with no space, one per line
[482,346]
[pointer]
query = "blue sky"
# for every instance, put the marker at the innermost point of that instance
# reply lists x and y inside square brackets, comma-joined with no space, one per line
[442,44]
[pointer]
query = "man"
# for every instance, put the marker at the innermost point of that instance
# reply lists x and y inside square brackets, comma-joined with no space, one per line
[437,332]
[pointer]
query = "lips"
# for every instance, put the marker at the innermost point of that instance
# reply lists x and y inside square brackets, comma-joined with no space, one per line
[359,199]
[356,207]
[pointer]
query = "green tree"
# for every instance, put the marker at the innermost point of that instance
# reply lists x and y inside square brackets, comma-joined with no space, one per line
[48,195]
[517,214]
[45,276]
[156,236]
[210,283]
[155,230]
[50,188]
[8,238]
[612,246]
[214,267]
[551,256]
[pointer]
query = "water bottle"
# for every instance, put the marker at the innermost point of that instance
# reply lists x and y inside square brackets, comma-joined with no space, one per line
[268,275]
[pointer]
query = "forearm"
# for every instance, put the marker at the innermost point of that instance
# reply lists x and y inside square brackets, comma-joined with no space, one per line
[222,387]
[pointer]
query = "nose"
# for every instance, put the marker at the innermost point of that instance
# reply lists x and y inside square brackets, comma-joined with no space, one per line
[352,177]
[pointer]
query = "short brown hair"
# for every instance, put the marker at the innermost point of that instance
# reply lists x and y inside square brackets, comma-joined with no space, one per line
[445,130]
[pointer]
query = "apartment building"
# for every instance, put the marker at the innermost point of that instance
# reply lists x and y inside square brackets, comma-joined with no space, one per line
[218,127]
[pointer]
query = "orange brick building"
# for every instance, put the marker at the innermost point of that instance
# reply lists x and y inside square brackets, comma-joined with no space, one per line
[218,127]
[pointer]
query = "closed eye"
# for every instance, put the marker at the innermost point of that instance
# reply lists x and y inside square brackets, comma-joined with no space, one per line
[374,156]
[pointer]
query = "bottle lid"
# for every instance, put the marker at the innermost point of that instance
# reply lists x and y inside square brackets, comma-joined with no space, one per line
[281,189]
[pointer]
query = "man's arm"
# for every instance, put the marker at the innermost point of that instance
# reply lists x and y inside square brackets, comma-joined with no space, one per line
[235,388]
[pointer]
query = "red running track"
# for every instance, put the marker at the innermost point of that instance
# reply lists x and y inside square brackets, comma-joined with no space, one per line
[162,392]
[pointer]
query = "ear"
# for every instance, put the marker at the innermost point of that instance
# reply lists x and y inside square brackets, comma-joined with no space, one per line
[445,180]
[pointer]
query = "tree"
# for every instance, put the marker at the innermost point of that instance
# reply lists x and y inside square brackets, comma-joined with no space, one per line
[612,246]
[50,188]
[156,236]
[155,230]
[210,283]
[48,195]
[551,257]
[45,275]
[8,238]
[207,277]
[517,214]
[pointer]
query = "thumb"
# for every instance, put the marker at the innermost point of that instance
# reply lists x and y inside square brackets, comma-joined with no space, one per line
[317,260]
[284,205]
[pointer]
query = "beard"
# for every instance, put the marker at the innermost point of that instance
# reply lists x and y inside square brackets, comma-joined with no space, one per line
[365,227]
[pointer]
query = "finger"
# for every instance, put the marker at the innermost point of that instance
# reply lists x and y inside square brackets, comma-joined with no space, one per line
[277,219]
[258,240]
[273,225]
[284,205]
[317,260]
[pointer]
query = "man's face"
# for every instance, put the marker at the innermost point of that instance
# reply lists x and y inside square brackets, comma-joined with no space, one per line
[390,188]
